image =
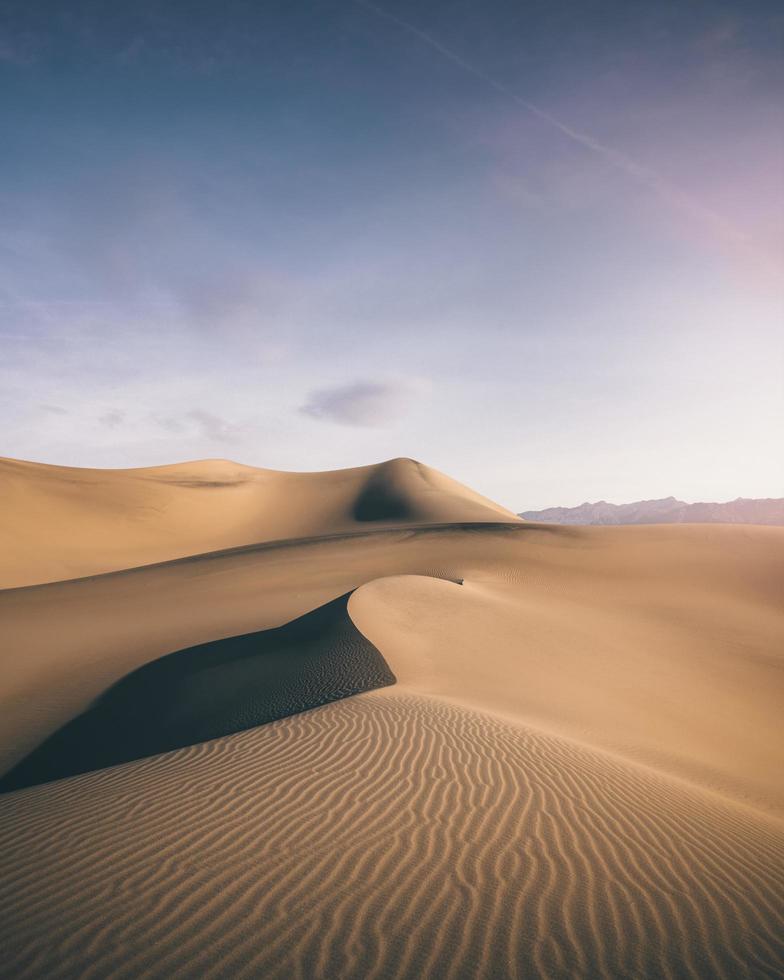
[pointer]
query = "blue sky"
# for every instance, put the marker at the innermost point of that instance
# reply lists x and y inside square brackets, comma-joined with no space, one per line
[536,245]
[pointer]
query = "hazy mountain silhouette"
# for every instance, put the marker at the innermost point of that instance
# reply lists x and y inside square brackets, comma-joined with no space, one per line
[669,510]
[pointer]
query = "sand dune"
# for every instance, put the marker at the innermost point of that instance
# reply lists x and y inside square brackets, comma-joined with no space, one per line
[662,644]
[60,522]
[386,836]
[577,775]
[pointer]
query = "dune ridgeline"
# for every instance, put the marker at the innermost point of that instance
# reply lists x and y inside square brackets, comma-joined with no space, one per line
[367,723]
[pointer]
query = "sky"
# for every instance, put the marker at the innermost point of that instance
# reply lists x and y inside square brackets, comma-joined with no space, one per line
[536,245]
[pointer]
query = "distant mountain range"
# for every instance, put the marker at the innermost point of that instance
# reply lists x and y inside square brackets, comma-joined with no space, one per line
[667,511]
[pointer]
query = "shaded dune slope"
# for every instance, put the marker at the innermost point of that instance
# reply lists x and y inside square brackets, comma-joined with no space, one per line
[210,690]
[62,522]
[386,836]
[54,637]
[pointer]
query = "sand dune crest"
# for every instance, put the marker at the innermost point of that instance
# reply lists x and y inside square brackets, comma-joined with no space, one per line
[61,522]
[210,690]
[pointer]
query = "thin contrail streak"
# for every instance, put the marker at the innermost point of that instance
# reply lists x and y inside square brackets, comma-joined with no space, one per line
[674,195]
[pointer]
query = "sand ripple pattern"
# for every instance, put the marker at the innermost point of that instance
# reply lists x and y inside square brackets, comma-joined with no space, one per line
[386,836]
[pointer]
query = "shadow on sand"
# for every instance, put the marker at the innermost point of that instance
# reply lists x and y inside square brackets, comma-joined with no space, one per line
[210,690]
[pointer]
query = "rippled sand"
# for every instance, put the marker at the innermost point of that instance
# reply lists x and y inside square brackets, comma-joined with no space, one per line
[387,836]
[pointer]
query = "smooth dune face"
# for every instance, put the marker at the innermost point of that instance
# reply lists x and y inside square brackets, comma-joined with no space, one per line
[386,836]
[679,676]
[578,772]
[60,522]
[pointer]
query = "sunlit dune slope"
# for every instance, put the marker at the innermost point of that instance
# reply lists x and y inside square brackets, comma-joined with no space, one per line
[61,522]
[391,837]
[684,675]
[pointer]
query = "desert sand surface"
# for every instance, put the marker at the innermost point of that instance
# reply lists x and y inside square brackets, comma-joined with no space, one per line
[577,773]
[386,836]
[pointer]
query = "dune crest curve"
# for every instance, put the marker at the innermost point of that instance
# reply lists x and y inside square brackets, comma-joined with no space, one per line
[210,690]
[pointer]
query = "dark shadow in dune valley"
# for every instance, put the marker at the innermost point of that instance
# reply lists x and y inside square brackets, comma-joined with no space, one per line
[210,690]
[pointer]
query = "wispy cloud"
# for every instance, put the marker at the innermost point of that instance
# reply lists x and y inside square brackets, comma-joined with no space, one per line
[112,419]
[674,196]
[213,426]
[199,422]
[362,403]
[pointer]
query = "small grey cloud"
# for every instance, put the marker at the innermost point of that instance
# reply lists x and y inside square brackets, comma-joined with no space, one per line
[112,419]
[202,423]
[54,409]
[168,423]
[213,426]
[363,403]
